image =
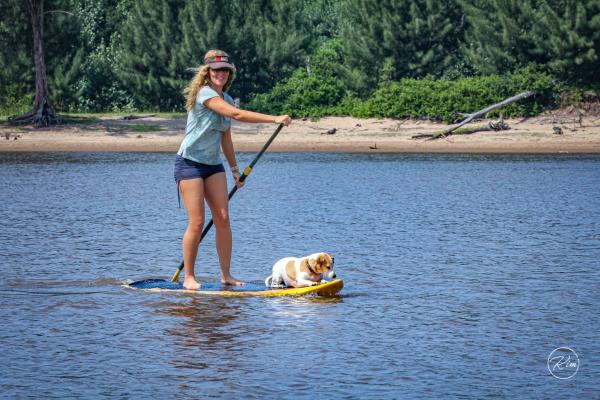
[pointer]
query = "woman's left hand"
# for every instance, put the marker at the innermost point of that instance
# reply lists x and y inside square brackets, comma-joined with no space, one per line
[236,176]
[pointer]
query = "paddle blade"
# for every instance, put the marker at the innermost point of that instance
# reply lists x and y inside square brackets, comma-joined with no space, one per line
[175,277]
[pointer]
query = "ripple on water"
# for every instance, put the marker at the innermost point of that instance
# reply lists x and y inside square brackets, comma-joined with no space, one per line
[462,273]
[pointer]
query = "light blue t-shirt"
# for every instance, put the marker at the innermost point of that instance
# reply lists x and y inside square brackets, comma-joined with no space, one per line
[204,129]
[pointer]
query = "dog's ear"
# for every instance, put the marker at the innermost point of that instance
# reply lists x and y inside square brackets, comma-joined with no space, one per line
[312,262]
[325,259]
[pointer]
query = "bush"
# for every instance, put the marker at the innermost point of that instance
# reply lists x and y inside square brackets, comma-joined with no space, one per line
[12,102]
[90,84]
[302,95]
[313,95]
[443,99]
[312,91]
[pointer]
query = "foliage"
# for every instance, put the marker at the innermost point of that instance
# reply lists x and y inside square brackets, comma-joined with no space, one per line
[303,57]
[561,37]
[318,91]
[264,38]
[314,90]
[13,103]
[302,95]
[269,43]
[442,99]
[146,58]
[322,18]
[78,52]
[16,62]
[97,87]
[387,40]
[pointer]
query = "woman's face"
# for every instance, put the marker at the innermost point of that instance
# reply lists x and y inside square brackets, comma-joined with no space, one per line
[218,77]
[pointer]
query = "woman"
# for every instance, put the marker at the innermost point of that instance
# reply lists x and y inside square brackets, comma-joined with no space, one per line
[199,171]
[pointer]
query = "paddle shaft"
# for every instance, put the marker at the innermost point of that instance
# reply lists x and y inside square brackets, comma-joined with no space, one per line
[243,177]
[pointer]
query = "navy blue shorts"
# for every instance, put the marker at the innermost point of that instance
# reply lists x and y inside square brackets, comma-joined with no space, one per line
[188,169]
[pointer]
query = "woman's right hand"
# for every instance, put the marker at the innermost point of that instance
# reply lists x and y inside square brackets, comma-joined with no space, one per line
[283,119]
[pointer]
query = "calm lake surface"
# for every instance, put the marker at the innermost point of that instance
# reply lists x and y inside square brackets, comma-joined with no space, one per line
[462,274]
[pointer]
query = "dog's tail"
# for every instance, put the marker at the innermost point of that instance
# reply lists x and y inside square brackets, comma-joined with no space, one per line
[269,281]
[274,282]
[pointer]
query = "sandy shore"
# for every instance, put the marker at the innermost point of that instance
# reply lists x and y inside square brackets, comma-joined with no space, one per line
[532,135]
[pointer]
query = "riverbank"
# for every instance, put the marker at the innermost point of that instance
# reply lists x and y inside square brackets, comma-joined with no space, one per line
[330,134]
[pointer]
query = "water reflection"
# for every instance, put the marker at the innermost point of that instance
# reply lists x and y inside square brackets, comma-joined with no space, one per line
[203,322]
[208,329]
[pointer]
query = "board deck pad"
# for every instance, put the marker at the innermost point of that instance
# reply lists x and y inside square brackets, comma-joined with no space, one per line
[249,289]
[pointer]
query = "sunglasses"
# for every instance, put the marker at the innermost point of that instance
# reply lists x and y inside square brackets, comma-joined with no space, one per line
[224,69]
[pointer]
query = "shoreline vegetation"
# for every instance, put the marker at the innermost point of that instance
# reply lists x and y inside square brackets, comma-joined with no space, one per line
[354,75]
[410,115]
[560,131]
[365,59]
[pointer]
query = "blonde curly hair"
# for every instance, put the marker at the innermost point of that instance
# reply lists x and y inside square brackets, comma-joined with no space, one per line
[202,78]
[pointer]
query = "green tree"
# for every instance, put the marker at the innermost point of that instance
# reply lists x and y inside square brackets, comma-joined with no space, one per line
[312,90]
[281,43]
[16,64]
[557,36]
[64,52]
[390,39]
[266,39]
[78,53]
[204,26]
[322,18]
[97,86]
[42,112]
[147,61]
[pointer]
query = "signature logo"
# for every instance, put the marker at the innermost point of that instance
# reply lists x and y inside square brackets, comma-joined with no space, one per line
[563,363]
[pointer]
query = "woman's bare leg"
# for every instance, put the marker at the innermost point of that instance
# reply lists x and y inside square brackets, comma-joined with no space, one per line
[216,196]
[192,192]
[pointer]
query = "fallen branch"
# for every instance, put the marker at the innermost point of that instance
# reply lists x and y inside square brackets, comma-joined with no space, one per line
[480,113]
[130,117]
[499,126]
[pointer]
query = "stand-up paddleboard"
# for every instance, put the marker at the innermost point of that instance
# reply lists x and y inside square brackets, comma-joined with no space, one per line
[326,289]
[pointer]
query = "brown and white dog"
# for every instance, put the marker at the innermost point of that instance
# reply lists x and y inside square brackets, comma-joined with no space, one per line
[301,272]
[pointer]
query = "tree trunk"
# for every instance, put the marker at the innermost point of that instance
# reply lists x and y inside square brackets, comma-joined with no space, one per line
[43,113]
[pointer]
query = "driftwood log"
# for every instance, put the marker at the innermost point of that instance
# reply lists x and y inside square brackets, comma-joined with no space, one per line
[492,126]
[471,117]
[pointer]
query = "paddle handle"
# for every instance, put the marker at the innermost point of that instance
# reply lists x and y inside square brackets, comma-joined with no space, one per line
[242,178]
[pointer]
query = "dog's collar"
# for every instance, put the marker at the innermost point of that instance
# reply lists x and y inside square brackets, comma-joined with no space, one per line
[309,268]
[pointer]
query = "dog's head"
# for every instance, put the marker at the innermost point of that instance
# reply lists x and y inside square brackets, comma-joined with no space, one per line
[322,263]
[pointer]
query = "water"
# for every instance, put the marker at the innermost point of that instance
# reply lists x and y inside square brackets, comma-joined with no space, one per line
[462,274]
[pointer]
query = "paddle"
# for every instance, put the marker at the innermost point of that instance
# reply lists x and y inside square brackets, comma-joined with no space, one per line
[243,177]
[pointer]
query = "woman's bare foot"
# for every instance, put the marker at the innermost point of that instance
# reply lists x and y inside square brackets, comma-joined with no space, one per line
[190,283]
[230,280]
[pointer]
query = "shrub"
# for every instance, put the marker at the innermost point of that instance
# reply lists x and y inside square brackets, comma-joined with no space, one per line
[317,95]
[313,91]
[444,99]
[13,102]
